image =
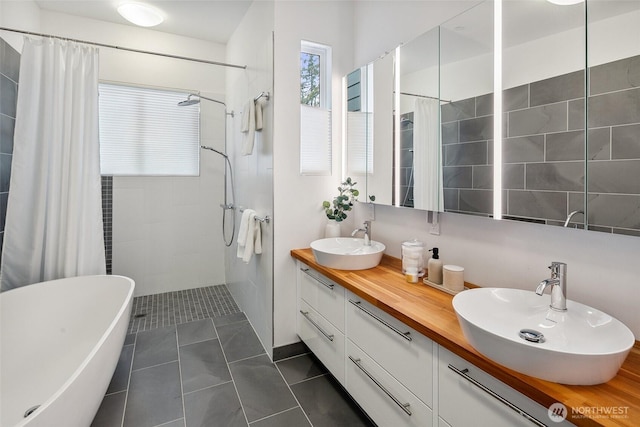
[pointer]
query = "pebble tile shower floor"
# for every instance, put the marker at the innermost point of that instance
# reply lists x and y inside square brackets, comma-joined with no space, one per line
[202,364]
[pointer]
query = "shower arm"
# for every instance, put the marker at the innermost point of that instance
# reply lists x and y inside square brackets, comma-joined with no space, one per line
[212,100]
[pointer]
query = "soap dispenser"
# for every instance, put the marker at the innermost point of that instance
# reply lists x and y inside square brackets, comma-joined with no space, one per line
[434,268]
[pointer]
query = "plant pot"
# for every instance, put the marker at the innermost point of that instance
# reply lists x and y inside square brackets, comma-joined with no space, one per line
[332,229]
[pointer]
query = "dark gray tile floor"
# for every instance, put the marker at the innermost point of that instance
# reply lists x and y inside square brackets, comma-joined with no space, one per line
[215,372]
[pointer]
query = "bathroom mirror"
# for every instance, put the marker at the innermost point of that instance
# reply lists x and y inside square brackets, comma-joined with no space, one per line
[466,89]
[613,117]
[543,89]
[369,128]
[417,151]
[564,161]
[359,122]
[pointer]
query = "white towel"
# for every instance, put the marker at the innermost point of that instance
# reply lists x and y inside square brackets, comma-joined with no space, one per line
[248,127]
[242,231]
[258,115]
[249,236]
[249,244]
[257,238]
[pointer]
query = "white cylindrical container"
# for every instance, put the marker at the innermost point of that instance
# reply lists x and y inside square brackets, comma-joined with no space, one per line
[453,277]
[413,256]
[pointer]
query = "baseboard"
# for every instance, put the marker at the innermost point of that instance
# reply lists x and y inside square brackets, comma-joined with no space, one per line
[289,350]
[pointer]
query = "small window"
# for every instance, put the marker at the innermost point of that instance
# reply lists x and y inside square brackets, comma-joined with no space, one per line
[143,132]
[315,109]
[309,79]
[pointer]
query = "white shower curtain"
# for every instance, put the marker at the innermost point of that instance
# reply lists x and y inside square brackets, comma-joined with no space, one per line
[427,155]
[54,214]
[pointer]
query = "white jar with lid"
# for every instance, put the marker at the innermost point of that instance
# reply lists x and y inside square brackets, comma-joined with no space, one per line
[413,257]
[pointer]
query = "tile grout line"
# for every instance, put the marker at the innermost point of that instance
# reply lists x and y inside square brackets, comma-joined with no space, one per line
[308,379]
[208,387]
[273,415]
[293,394]
[184,410]
[155,366]
[248,358]
[126,397]
[231,375]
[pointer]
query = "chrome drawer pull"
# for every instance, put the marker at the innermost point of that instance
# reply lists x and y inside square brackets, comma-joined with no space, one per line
[306,315]
[405,335]
[404,406]
[318,279]
[464,374]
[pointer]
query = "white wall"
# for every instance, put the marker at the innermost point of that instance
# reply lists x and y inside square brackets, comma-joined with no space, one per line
[252,284]
[166,230]
[382,25]
[603,268]
[298,216]
[23,15]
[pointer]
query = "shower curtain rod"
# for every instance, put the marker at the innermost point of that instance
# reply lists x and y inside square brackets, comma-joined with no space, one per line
[166,55]
[423,96]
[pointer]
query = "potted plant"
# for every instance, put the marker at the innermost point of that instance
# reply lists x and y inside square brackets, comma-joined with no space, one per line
[336,210]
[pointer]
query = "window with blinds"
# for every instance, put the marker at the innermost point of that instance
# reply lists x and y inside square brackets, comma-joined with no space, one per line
[143,132]
[315,109]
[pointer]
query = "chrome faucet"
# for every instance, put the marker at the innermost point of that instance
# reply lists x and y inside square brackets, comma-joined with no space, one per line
[558,283]
[366,229]
[571,215]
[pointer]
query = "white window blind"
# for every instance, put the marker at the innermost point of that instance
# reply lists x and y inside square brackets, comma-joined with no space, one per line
[359,143]
[144,132]
[315,141]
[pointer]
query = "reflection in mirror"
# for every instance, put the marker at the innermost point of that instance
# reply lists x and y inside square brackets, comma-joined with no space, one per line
[359,123]
[466,79]
[544,57]
[417,149]
[613,167]
[555,169]
[376,109]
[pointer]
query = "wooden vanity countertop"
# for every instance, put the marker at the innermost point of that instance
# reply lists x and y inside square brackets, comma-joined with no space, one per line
[430,312]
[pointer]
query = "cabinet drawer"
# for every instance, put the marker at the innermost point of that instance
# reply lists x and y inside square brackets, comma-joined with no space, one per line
[386,401]
[323,339]
[405,353]
[324,295]
[455,392]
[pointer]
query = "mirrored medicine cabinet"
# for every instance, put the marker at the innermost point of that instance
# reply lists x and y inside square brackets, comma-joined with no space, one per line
[421,120]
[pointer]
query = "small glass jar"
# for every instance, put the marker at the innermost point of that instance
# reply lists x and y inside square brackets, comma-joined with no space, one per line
[413,257]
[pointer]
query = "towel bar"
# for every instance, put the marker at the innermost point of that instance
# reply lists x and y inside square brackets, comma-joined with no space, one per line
[265,218]
[264,95]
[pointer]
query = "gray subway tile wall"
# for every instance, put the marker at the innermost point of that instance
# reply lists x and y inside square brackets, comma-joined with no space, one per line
[614,76]
[544,148]
[9,78]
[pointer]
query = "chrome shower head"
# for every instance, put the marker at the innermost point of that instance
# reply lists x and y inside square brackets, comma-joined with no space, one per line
[188,101]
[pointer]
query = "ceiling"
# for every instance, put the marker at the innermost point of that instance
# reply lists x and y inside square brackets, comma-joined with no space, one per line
[212,20]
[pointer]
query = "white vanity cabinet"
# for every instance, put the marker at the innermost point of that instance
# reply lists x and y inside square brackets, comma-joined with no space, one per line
[388,366]
[383,397]
[320,320]
[396,374]
[467,395]
[406,354]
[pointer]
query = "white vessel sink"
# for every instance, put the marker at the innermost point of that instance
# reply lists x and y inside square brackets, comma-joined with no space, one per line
[347,253]
[581,346]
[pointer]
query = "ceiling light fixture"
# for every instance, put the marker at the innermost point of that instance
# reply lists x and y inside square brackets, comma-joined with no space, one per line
[565,2]
[141,14]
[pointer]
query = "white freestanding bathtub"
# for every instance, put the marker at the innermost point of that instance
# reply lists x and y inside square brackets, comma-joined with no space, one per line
[60,342]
